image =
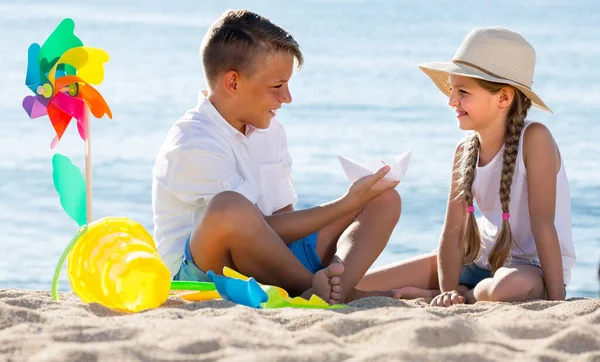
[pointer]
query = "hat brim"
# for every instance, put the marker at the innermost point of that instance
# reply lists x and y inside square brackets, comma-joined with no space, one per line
[439,72]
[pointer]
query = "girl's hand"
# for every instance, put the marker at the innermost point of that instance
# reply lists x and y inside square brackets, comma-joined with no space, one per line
[447,299]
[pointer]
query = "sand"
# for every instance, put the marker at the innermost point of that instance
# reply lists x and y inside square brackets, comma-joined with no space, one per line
[34,328]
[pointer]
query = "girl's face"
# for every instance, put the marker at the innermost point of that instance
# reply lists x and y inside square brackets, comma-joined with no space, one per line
[476,108]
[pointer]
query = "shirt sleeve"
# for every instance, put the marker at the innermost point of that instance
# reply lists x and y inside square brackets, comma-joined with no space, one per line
[288,195]
[195,176]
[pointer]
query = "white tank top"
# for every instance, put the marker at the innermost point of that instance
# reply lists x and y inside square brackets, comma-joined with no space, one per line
[486,188]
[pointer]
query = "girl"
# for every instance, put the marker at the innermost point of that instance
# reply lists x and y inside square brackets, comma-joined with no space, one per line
[521,247]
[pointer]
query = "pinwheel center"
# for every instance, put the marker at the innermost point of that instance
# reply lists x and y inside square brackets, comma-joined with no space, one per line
[73,89]
[45,90]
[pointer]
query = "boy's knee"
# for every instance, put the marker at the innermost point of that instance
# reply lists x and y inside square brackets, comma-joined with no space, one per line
[230,208]
[228,201]
[389,203]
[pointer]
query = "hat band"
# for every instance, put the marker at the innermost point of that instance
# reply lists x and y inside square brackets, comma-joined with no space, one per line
[487,72]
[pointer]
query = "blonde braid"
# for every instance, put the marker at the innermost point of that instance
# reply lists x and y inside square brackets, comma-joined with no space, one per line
[514,125]
[471,239]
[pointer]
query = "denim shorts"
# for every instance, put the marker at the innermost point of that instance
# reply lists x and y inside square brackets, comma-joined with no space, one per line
[472,274]
[304,249]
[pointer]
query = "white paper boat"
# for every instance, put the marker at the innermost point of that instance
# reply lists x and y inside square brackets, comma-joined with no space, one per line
[354,171]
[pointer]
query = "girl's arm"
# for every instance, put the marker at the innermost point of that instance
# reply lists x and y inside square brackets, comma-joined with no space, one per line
[450,250]
[542,161]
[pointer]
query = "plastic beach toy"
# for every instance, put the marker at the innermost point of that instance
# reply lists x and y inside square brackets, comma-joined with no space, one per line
[245,292]
[59,73]
[115,263]
[277,297]
[237,275]
[195,291]
[112,261]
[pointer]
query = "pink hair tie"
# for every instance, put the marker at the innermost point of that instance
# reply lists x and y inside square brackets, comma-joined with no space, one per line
[505,216]
[471,209]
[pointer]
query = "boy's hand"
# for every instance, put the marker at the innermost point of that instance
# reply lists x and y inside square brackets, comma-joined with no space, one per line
[369,187]
[447,299]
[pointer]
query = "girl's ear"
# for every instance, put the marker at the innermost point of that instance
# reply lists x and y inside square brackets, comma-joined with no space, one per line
[507,94]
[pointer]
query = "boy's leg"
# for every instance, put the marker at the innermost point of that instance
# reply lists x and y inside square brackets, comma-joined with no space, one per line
[510,284]
[357,240]
[234,233]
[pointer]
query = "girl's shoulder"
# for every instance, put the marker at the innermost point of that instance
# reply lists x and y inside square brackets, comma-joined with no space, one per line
[536,129]
[538,144]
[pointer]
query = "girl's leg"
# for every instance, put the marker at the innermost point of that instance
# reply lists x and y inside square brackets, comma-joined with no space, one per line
[408,279]
[510,284]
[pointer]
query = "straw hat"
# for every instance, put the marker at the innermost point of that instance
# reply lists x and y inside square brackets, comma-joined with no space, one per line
[494,54]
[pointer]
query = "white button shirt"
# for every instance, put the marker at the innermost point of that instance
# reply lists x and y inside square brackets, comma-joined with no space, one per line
[203,155]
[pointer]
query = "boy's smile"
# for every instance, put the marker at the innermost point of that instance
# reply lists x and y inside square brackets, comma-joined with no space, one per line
[260,95]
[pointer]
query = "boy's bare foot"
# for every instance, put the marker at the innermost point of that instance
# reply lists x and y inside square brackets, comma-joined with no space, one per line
[327,284]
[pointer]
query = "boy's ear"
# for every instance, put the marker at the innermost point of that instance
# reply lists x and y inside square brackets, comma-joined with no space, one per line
[507,94]
[230,81]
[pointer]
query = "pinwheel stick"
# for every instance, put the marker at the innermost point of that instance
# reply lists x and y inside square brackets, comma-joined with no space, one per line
[88,167]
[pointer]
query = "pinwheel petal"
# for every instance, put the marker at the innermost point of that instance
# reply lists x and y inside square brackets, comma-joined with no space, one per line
[95,101]
[60,120]
[81,126]
[73,106]
[89,63]
[61,40]
[89,94]
[35,106]
[32,80]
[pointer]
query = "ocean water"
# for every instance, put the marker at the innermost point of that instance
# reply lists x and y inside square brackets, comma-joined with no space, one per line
[359,94]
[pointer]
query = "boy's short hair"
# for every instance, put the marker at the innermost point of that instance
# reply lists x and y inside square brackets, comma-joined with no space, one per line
[238,39]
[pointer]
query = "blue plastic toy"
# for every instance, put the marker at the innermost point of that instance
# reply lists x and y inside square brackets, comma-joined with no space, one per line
[248,293]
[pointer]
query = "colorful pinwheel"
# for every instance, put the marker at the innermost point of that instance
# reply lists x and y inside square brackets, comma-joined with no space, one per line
[59,74]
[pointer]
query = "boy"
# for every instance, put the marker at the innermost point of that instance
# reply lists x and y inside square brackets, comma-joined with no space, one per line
[222,190]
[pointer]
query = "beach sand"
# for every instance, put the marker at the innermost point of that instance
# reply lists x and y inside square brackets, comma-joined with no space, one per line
[34,328]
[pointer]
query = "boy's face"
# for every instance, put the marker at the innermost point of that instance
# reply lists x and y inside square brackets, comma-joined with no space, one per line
[261,94]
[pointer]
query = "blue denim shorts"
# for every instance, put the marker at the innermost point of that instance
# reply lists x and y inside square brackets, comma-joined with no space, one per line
[471,274]
[304,249]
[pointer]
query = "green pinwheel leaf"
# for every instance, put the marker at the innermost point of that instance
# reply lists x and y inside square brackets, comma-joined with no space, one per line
[61,40]
[70,186]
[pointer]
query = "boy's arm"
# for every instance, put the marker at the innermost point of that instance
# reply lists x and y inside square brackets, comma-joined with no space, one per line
[291,226]
[542,163]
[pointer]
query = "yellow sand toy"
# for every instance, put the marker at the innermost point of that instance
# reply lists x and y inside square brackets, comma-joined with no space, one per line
[115,263]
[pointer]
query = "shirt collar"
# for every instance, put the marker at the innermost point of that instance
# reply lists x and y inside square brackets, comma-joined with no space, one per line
[204,105]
